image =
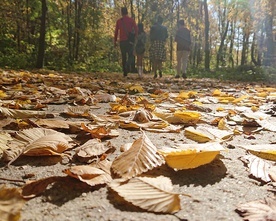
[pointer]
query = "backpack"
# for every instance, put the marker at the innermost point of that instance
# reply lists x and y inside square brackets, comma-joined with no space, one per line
[140,46]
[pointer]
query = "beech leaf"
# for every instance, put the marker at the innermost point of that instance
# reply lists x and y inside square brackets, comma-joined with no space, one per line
[141,157]
[258,167]
[149,193]
[260,210]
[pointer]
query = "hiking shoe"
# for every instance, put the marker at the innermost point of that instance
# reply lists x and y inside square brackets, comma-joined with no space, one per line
[176,76]
[160,74]
[155,76]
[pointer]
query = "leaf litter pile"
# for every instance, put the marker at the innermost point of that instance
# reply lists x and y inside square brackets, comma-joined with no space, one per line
[100,147]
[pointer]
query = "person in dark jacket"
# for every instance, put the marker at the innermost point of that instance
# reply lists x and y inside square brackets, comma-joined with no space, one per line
[127,30]
[158,37]
[183,48]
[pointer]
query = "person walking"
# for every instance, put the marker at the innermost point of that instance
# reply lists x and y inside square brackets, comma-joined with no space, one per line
[140,48]
[127,30]
[158,36]
[183,48]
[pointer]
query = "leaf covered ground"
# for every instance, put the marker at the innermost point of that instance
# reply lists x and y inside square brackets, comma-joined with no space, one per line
[102,147]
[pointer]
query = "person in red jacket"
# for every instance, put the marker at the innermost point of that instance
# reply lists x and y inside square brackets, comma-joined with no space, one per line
[127,30]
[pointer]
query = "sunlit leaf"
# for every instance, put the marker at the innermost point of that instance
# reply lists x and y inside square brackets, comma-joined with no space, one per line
[141,157]
[187,156]
[259,210]
[258,167]
[37,142]
[265,151]
[151,194]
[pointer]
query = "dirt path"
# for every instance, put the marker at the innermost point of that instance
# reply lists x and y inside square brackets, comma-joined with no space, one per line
[214,189]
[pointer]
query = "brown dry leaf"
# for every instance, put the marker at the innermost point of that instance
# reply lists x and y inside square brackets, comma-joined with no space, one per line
[11,204]
[92,148]
[187,156]
[204,134]
[265,151]
[4,139]
[259,210]
[266,124]
[89,174]
[37,142]
[150,193]
[78,111]
[258,167]
[100,131]
[56,124]
[104,165]
[22,114]
[35,188]
[141,157]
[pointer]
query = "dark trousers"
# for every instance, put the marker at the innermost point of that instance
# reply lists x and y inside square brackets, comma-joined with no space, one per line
[127,56]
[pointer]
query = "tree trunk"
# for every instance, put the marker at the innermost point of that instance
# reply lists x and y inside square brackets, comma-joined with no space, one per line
[207,28]
[41,43]
[221,46]
[244,47]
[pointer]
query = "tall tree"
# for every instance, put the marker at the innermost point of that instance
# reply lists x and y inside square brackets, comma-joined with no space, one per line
[206,31]
[42,33]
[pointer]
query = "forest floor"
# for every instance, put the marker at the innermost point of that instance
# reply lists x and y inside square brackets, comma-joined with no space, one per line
[214,190]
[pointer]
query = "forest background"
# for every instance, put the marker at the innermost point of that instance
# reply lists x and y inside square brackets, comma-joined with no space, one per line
[234,39]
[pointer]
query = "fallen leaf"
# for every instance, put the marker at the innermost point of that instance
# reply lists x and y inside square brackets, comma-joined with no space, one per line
[11,204]
[258,167]
[35,188]
[141,157]
[37,142]
[188,156]
[89,174]
[151,194]
[259,210]
[265,151]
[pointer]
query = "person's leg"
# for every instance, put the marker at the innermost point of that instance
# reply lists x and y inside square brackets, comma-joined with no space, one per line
[185,59]
[130,57]
[154,68]
[123,47]
[179,55]
[139,64]
[159,67]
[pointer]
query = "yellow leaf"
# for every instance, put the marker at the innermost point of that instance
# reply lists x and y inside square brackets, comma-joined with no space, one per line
[241,98]
[187,156]
[2,94]
[265,151]
[188,116]
[197,136]
[136,89]
[216,92]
